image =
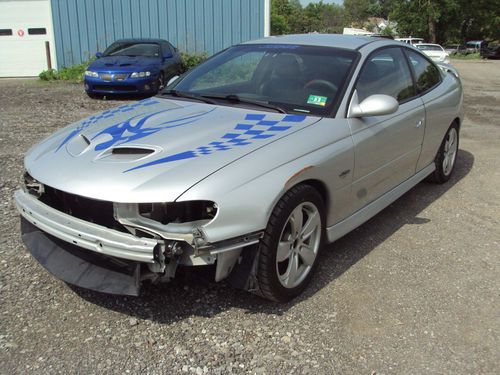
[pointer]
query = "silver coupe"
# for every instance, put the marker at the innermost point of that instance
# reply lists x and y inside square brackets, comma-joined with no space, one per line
[250,162]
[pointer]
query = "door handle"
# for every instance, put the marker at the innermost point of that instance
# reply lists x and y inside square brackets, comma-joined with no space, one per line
[419,123]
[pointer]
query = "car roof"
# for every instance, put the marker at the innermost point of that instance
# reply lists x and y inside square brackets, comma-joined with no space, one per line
[141,40]
[352,42]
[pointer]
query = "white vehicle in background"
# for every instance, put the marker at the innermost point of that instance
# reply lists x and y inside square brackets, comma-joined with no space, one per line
[410,40]
[435,52]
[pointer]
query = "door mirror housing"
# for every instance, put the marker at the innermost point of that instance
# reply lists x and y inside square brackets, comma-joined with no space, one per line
[167,55]
[172,80]
[374,105]
[98,55]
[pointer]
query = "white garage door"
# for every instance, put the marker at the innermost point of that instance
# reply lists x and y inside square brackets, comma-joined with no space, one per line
[25,26]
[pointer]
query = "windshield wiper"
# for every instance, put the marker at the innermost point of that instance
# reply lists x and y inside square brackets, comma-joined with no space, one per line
[187,95]
[239,99]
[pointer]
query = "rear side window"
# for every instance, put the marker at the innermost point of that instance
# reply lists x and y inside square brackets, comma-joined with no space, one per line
[386,72]
[426,73]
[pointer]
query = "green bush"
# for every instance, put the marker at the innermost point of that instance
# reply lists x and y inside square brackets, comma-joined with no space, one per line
[48,75]
[66,73]
[190,60]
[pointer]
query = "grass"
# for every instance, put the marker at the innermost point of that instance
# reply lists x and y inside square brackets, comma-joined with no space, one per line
[470,56]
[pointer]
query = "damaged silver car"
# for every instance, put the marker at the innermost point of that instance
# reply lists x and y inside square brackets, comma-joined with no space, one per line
[250,162]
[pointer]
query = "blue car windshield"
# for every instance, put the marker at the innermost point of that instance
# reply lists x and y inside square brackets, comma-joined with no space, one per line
[133,49]
[295,78]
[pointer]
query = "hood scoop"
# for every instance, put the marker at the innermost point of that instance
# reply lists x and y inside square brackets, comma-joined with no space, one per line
[78,145]
[125,154]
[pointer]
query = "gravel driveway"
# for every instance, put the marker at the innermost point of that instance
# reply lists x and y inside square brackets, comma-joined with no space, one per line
[414,290]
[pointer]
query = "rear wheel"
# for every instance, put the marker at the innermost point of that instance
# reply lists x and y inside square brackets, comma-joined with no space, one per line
[446,156]
[291,244]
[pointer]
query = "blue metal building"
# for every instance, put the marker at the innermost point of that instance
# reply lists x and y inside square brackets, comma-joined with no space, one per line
[83,27]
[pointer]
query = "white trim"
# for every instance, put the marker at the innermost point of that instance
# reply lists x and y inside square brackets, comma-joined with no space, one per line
[267,17]
[52,41]
[355,220]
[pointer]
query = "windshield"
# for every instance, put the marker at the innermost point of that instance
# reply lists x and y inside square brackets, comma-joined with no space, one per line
[303,79]
[429,47]
[133,49]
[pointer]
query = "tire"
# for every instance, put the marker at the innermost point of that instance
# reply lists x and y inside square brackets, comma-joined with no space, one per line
[95,96]
[446,156]
[294,236]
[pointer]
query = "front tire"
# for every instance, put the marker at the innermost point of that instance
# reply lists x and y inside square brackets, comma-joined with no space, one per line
[161,81]
[446,156]
[289,249]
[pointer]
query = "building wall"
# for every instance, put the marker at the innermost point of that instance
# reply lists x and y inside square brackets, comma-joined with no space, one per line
[83,27]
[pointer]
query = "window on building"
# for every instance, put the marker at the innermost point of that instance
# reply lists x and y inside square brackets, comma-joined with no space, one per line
[37,31]
[5,32]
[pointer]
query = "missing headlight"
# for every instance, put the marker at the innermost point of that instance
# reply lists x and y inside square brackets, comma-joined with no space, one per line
[33,186]
[178,212]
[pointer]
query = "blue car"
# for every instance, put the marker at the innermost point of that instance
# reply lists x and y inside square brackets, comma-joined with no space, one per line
[132,66]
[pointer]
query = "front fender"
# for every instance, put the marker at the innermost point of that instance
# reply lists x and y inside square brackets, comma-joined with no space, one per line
[247,190]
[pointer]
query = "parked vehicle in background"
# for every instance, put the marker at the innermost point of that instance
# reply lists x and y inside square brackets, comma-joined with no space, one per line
[434,51]
[474,46]
[455,49]
[250,162]
[410,40]
[132,66]
[490,51]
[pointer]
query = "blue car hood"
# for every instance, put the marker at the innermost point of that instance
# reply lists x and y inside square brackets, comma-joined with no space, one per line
[124,63]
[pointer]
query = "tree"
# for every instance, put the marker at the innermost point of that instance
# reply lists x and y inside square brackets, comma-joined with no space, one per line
[447,20]
[358,11]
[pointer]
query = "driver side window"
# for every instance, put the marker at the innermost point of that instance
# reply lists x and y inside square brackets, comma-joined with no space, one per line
[386,72]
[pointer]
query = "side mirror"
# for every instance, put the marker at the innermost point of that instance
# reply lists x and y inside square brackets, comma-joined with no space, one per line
[172,80]
[167,55]
[98,55]
[374,105]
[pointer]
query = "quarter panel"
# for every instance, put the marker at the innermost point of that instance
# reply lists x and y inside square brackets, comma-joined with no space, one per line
[442,106]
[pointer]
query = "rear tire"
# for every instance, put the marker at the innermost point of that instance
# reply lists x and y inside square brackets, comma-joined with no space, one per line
[446,156]
[289,249]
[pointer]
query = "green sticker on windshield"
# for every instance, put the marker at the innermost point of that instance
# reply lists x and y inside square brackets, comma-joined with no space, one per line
[317,100]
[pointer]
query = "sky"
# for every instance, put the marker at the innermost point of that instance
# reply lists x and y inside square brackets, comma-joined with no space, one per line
[305,2]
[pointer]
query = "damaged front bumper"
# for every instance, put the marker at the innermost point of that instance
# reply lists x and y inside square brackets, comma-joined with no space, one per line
[107,260]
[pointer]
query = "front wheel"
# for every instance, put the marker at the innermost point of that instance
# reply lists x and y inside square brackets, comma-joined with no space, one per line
[446,156]
[161,81]
[290,246]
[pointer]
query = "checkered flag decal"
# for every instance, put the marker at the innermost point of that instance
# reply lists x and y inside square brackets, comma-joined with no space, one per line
[253,128]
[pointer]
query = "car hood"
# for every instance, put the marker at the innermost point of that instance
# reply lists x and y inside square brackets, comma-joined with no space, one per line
[125,63]
[155,149]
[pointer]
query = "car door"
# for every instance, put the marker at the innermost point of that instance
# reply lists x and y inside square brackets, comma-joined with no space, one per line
[386,147]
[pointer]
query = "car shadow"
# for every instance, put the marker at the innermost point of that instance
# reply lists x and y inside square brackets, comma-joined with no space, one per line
[194,293]
[124,97]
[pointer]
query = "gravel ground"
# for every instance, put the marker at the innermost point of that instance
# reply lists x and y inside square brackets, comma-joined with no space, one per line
[414,290]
